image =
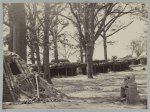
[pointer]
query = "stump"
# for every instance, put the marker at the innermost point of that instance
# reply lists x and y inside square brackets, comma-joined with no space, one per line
[129,90]
[132,95]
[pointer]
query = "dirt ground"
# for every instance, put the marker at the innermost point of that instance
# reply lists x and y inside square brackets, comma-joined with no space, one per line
[103,91]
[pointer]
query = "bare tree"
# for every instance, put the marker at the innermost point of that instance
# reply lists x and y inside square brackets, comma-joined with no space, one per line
[89,19]
[76,37]
[137,46]
[110,26]
[141,11]
[84,20]
[56,28]
[46,42]
[33,30]
[67,49]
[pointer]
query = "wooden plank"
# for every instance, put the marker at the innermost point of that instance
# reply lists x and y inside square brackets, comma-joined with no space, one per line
[19,66]
[23,72]
[24,66]
[37,85]
[9,74]
[8,84]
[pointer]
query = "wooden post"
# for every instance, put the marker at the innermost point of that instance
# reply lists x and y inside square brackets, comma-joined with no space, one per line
[103,68]
[58,72]
[71,72]
[37,85]
[120,67]
[66,71]
[95,70]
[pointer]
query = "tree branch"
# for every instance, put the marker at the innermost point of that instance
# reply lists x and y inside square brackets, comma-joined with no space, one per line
[108,25]
[68,19]
[78,24]
[119,29]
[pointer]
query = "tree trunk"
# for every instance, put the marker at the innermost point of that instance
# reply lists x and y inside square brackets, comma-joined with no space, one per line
[81,53]
[88,29]
[35,35]
[38,58]
[89,56]
[105,49]
[37,52]
[46,45]
[10,43]
[32,55]
[85,55]
[55,49]
[132,52]
[19,29]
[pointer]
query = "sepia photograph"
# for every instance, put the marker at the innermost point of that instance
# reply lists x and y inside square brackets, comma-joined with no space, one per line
[75,55]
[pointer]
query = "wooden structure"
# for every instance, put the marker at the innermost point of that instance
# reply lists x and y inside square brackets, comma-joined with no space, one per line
[19,79]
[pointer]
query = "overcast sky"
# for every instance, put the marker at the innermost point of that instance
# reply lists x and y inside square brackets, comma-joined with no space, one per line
[122,38]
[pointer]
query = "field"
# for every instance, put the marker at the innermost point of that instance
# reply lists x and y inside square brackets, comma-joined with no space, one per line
[103,91]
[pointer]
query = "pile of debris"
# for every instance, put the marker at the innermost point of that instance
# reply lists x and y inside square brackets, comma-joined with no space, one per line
[18,80]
